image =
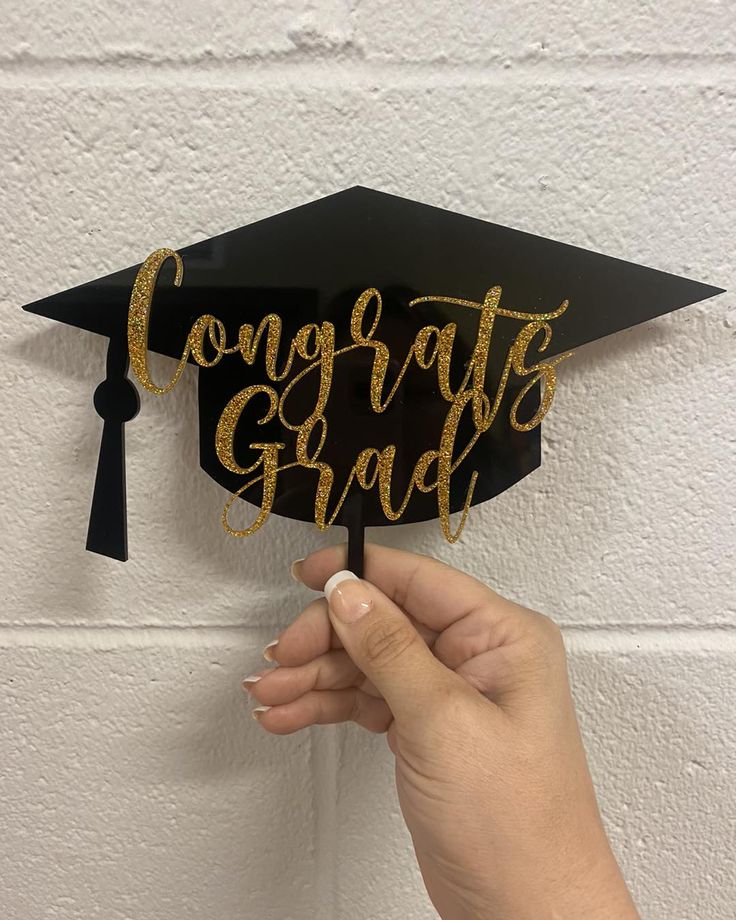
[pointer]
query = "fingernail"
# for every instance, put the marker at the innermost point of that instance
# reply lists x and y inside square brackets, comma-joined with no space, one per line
[347,596]
[249,681]
[295,569]
[268,650]
[258,712]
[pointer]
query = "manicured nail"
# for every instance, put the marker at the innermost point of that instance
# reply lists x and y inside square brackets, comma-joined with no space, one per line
[258,712]
[347,596]
[249,681]
[268,650]
[295,570]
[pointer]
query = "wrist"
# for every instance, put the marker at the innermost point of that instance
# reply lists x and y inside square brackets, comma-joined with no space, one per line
[583,886]
[561,885]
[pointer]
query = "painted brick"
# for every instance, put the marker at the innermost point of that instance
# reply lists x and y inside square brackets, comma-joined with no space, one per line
[439,32]
[658,726]
[193,32]
[453,32]
[136,785]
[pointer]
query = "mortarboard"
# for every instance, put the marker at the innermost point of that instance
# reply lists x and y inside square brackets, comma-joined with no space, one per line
[363,359]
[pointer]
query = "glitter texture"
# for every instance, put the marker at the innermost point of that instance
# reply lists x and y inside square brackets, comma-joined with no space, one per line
[138,317]
[314,344]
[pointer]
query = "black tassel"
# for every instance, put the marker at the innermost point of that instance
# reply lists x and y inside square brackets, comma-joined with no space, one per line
[116,401]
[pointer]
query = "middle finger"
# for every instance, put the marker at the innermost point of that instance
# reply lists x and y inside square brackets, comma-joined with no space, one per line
[332,671]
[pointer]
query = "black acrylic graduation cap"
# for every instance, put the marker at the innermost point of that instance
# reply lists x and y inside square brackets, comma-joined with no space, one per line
[310,264]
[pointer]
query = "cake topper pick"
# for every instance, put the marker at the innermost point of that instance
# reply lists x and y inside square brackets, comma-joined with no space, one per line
[363,359]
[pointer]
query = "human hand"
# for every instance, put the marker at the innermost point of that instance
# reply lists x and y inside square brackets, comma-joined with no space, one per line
[472,690]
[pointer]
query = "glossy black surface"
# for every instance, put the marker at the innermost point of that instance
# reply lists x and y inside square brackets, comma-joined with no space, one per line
[309,264]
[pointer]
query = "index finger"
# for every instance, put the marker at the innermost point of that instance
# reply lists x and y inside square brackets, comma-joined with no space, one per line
[428,590]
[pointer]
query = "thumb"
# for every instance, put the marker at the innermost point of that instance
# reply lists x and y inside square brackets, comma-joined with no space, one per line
[384,644]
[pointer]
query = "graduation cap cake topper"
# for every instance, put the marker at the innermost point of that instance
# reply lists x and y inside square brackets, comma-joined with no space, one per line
[363,359]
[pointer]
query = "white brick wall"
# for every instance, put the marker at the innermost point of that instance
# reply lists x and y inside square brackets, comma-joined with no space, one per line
[132,783]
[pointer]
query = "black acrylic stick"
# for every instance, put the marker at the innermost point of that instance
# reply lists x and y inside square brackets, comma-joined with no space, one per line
[353,518]
[116,401]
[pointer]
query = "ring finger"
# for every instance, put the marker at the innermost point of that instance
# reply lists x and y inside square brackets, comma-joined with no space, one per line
[332,671]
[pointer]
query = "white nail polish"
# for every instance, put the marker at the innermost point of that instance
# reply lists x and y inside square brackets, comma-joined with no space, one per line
[335,580]
[252,679]
[258,712]
[267,653]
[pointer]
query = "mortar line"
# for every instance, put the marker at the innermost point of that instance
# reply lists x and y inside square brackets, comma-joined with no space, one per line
[139,636]
[579,636]
[129,70]
[650,639]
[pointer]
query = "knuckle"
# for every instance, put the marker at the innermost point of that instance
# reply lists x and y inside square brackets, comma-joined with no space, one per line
[548,628]
[385,641]
[545,640]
